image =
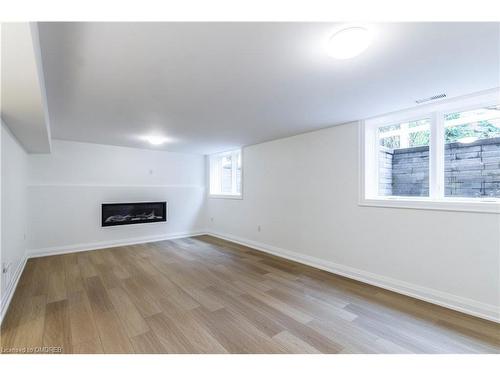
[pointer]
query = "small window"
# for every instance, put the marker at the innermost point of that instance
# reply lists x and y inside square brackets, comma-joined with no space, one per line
[225,174]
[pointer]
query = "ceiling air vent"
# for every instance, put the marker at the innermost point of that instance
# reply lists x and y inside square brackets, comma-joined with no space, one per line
[435,97]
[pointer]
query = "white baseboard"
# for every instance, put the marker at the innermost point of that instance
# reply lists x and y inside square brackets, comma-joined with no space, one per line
[451,301]
[11,288]
[36,253]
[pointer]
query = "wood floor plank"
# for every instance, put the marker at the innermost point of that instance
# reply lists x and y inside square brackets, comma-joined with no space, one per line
[113,337]
[142,299]
[41,276]
[73,278]
[198,335]
[82,323]
[293,344]
[161,286]
[296,288]
[11,324]
[235,335]
[30,328]
[147,343]
[57,328]
[129,315]
[169,334]
[311,306]
[86,267]
[307,334]
[345,335]
[207,295]
[116,268]
[262,322]
[285,308]
[88,347]
[98,296]
[401,324]
[107,276]
[56,285]
[204,298]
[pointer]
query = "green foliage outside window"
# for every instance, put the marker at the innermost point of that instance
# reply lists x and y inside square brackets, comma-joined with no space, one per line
[421,138]
[481,130]
[390,142]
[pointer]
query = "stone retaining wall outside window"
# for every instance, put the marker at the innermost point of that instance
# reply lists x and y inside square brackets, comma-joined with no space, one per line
[471,170]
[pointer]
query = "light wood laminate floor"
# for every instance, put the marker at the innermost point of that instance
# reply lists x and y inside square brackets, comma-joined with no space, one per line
[206,295]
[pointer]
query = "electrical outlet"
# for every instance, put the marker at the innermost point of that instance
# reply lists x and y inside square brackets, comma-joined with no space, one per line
[150,171]
[5,274]
[5,267]
[212,219]
[258,228]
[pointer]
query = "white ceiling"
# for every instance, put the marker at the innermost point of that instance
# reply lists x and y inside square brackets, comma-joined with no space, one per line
[23,101]
[216,86]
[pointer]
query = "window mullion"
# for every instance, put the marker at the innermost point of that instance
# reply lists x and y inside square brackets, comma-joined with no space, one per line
[436,157]
[376,157]
[234,163]
[219,174]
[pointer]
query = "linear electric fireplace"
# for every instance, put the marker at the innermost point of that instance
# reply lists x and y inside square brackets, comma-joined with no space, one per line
[133,213]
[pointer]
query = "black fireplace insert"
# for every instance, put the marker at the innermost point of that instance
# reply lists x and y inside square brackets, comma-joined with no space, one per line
[133,213]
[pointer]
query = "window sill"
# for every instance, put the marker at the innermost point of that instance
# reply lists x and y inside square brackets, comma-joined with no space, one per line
[225,196]
[483,206]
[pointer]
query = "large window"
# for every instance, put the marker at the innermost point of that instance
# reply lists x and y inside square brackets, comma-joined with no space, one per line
[439,156]
[225,174]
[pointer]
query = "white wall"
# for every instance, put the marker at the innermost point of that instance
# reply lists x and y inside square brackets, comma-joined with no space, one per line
[66,189]
[303,192]
[14,161]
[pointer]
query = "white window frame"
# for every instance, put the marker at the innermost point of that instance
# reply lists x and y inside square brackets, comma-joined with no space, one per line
[233,175]
[369,155]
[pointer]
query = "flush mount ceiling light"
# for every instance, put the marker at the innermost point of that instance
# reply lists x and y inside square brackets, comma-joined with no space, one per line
[155,139]
[349,42]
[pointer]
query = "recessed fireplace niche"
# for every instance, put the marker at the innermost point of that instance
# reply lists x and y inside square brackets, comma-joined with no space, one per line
[133,213]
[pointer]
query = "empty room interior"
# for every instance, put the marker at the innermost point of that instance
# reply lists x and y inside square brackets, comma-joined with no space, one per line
[250,187]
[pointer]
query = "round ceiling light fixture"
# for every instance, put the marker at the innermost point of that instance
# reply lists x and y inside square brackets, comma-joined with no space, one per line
[155,139]
[349,42]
